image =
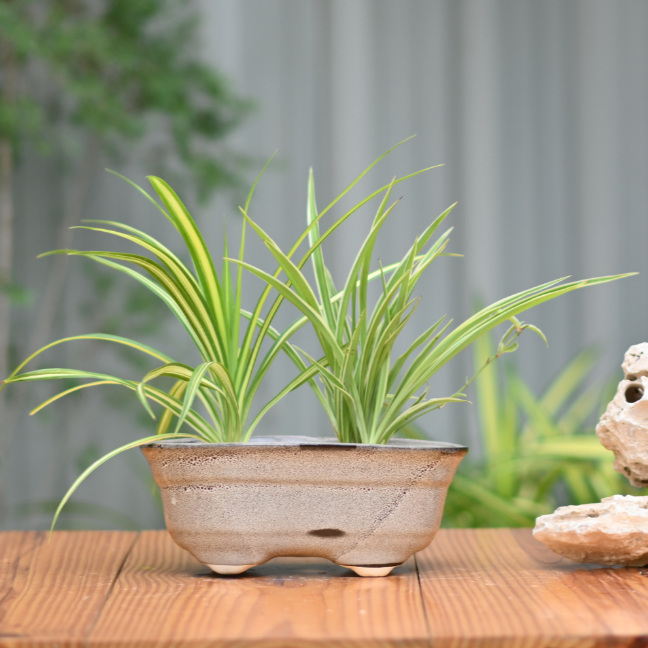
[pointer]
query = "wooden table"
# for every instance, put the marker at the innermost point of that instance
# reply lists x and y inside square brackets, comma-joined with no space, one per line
[469,588]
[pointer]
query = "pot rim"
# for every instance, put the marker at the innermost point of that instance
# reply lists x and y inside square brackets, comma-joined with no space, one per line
[306,441]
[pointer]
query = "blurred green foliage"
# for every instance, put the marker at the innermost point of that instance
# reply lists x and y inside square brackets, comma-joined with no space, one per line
[121,70]
[537,452]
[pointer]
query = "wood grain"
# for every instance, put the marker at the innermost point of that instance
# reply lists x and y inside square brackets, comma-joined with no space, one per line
[53,593]
[164,597]
[474,588]
[501,587]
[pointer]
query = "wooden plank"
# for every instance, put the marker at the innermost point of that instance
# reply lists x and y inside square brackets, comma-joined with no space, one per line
[163,597]
[479,588]
[500,587]
[52,593]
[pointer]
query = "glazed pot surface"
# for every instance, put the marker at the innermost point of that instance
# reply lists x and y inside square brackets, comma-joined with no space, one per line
[370,507]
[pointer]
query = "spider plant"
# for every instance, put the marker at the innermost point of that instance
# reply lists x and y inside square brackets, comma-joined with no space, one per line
[368,395]
[208,305]
[209,308]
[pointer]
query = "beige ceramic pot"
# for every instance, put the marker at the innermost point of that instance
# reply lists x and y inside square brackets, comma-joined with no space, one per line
[366,507]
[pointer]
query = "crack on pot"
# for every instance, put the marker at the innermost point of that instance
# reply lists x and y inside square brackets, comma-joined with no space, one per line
[390,508]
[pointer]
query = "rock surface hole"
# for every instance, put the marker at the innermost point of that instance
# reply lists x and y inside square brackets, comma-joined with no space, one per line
[634,393]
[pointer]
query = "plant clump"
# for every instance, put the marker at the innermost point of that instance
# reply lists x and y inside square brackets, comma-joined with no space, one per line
[368,394]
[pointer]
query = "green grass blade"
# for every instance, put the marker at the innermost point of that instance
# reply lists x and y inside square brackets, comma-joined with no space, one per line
[194,384]
[297,279]
[490,501]
[404,357]
[346,216]
[194,419]
[375,355]
[581,409]
[488,398]
[313,315]
[319,268]
[305,376]
[280,344]
[359,276]
[256,181]
[177,392]
[570,379]
[488,318]
[389,425]
[364,173]
[232,315]
[70,391]
[176,269]
[239,291]
[540,424]
[573,447]
[203,262]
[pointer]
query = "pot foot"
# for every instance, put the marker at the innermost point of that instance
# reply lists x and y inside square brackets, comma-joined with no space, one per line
[371,572]
[229,570]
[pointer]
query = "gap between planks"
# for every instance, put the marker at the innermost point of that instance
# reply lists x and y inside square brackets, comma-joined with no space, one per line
[50,592]
[93,623]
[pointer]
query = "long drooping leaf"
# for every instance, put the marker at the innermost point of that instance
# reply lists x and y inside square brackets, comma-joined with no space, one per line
[194,419]
[90,469]
[94,336]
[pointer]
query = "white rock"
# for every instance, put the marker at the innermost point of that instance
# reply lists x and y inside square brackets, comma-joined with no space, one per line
[612,532]
[635,362]
[624,426]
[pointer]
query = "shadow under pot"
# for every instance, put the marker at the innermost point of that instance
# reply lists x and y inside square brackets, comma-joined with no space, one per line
[366,507]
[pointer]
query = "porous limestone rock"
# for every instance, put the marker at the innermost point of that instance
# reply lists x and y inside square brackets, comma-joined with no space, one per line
[612,532]
[635,361]
[624,426]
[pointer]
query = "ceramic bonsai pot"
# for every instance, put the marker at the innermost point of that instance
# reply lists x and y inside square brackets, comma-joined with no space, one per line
[366,507]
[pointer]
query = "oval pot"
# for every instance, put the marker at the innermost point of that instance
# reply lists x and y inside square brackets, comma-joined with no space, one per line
[366,507]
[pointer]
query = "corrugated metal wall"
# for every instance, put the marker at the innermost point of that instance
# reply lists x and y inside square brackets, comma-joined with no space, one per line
[537,108]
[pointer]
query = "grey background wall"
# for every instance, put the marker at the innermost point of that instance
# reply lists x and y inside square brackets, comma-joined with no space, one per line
[537,108]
